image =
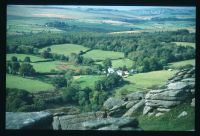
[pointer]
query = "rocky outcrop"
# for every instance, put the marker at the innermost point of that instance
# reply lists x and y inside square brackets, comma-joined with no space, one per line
[179,88]
[74,122]
[123,123]
[125,106]
[28,120]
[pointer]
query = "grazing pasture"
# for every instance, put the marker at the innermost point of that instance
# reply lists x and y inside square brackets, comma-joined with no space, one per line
[143,81]
[182,63]
[101,55]
[55,65]
[87,80]
[185,44]
[120,63]
[22,56]
[66,49]
[28,84]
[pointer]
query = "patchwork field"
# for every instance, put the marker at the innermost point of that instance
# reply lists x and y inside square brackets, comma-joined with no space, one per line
[143,81]
[101,55]
[87,81]
[185,44]
[27,84]
[66,49]
[182,63]
[22,56]
[56,65]
[119,63]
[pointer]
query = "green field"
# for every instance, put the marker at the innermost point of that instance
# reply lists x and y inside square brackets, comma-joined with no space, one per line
[22,56]
[120,63]
[143,81]
[88,80]
[182,63]
[56,65]
[27,84]
[101,55]
[185,44]
[65,49]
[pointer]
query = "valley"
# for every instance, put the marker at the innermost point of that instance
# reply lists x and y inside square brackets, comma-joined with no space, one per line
[77,58]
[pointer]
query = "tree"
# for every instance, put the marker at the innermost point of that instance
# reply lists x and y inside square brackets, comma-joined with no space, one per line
[27,59]
[125,54]
[70,94]
[26,69]
[59,81]
[14,59]
[45,54]
[49,49]
[107,63]
[15,66]
[98,85]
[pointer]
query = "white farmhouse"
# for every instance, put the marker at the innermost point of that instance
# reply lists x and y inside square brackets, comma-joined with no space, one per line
[111,70]
[120,72]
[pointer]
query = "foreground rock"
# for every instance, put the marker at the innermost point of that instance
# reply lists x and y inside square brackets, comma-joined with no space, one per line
[123,123]
[126,106]
[28,120]
[74,122]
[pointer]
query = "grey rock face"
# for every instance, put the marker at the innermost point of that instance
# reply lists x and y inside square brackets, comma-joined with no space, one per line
[167,95]
[73,122]
[131,103]
[123,123]
[161,103]
[163,109]
[193,102]
[111,102]
[134,109]
[159,114]
[135,96]
[192,91]
[28,120]
[188,80]
[177,85]
[184,113]
[147,109]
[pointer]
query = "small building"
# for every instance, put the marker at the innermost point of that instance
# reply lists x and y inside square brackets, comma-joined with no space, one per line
[133,71]
[120,72]
[170,69]
[126,72]
[111,70]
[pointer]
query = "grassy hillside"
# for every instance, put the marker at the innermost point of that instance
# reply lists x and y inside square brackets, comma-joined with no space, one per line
[142,81]
[31,85]
[170,121]
[101,55]
[22,56]
[182,63]
[185,44]
[87,81]
[66,49]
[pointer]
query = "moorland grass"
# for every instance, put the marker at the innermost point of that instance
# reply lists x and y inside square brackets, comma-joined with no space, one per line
[170,121]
